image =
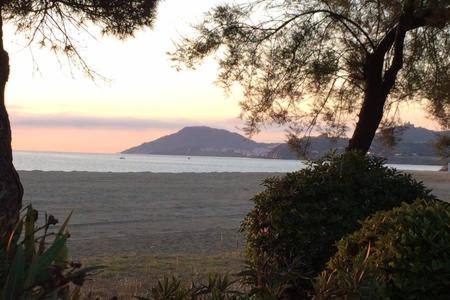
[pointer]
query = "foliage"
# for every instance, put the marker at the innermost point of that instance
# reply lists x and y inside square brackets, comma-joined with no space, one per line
[55,24]
[406,255]
[297,219]
[216,288]
[442,146]
[31,268]
[264,282]
[355,282]
[389,136]
[313,62]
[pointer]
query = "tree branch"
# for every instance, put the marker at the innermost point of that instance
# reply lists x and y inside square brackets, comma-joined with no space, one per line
[341,18]
[397,60]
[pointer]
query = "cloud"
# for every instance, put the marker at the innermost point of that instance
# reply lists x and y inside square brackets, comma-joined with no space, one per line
[116,123]
[269,133]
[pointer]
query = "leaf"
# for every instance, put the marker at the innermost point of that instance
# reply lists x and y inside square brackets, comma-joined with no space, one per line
[29,239]
[64,225]
[63,255]
[14,282]
[14,236]
[62,259]
[436,265]
[40,265]
[77,277]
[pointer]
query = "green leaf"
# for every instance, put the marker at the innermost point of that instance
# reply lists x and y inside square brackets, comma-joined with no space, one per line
[39,267]
[29,239]
[14,282]
[14,236]
[436,265]
[63,228]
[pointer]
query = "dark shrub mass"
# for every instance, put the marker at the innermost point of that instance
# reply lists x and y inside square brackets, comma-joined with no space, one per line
[400,254]
[298,218]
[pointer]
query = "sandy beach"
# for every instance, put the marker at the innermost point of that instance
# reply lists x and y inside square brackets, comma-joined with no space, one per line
[157,213]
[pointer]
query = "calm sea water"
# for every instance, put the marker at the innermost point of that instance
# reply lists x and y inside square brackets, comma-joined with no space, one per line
[49,161]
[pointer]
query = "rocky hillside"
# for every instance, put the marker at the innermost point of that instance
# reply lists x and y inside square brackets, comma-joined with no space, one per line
[204,141]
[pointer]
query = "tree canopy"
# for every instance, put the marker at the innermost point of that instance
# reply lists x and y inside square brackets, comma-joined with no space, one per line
[324,62]
[56,24]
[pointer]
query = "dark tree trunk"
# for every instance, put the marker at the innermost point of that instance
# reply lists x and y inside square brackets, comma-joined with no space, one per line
[370,117]
[372,107]
[11,190]
[379,83]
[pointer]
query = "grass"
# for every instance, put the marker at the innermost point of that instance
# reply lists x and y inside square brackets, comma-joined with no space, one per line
[130,275]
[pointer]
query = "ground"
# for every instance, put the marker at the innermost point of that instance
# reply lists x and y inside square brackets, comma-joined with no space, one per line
[142,226]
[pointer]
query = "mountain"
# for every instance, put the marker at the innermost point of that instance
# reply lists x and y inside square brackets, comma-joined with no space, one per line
[414,146]
[317,147]
[412,134]
[203,141]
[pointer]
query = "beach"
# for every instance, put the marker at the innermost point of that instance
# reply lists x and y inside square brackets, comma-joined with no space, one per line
[142,226]
[157,213]
[117,213]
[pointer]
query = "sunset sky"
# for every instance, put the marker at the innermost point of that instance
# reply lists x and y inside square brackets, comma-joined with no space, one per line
[54,108]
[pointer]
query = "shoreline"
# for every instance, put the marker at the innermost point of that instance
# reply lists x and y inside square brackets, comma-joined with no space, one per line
[435,161]
[162,164]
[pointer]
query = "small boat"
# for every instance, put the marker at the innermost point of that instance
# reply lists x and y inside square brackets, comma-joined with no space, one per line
[121,157]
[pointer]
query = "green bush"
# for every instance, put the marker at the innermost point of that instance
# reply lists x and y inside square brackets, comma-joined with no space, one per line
[298,218]
[400,254]
[31,267]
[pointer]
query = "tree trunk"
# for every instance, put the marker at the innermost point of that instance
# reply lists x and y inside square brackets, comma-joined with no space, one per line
[369,119]
[11,190]
[379,83]
[372,108]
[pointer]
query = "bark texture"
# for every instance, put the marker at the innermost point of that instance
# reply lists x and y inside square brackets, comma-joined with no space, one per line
[372,108]
[11,190]
[370,117]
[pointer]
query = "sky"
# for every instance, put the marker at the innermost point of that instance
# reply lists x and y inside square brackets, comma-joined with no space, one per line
[54,107]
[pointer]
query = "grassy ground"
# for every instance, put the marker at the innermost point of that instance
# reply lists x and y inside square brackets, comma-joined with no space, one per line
[131,275]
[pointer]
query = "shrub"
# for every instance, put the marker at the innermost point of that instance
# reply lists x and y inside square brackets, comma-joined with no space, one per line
[400,254]
[31,268]
[217,287]
[299,217]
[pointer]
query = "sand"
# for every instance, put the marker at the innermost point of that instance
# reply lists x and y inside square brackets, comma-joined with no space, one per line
[438,182]
[116,213]
[157,213]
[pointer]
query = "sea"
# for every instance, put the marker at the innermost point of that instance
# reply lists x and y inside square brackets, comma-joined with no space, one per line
[123,163]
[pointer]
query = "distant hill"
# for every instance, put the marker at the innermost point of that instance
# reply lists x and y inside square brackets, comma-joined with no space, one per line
[414,146]
[412,134]
[317,147]
[203,141]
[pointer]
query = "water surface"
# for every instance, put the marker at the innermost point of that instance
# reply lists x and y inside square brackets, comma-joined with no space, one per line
[52,161]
